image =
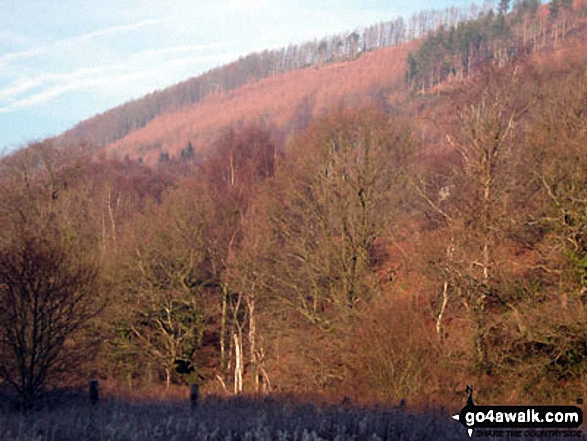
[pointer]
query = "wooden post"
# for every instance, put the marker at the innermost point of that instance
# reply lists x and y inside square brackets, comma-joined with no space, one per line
[94,392]
[194,395]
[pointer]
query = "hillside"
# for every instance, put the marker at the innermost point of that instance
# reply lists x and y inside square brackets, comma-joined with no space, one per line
[286,88]
[287,101]
[124,119]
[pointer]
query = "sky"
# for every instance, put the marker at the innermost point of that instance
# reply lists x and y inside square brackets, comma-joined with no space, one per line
[63,61]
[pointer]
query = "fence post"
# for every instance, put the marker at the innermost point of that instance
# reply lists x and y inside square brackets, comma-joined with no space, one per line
[194,395]
[94,392]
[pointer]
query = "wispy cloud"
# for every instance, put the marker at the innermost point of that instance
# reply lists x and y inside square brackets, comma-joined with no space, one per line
[186,48]
[116,29]
[7,58]
[40,97]
[45,49]
[41,88]
[93,60]
[24,84]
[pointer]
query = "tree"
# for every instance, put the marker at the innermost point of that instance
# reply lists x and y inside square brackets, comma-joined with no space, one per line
[328,225]
[530,7]
[245,158]
[164,157]
[554,9]
[567,5]
[188,153]
[48,274]
[504,6]
[558,165]
[47,294]
[476,206]
[305,264]
[483,148]
[164,282]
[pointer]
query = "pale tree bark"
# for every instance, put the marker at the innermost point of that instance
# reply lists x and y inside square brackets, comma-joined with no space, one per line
[238,364]
[439,326]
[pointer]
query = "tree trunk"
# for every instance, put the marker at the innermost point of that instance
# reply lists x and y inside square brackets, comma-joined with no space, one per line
[223,360]
[253,341]
[238,368]
[439,331]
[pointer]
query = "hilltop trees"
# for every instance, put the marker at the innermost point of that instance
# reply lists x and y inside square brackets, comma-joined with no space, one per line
[461,51]
[118,122]
[465,48]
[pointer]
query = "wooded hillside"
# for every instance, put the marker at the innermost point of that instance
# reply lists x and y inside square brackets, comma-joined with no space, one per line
[386,248]
[116,123]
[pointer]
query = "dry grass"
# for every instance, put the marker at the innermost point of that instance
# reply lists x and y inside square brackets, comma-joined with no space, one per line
[233,419]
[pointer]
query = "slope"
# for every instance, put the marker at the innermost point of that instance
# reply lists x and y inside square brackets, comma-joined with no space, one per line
[117,122]
[287,101]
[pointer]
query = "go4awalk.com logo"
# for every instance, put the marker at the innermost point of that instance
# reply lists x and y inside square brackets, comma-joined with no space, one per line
[518,421]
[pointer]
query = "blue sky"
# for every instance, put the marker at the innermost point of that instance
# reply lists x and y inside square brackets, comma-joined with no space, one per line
[62,61]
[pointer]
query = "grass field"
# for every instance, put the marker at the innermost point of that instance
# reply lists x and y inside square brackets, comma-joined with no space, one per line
[234,419]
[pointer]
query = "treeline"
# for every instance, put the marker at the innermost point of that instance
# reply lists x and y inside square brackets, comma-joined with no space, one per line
[114,124]
[353,259]
[457,52]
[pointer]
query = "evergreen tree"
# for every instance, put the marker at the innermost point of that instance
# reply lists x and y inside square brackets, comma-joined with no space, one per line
[504,6]
[189,152]
[554,7]
[567,5]
[533,6]
[501,27]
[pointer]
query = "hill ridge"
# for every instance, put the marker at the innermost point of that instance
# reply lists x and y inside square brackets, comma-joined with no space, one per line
[115,123]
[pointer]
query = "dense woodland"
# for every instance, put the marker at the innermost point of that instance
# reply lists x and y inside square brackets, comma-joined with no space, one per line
[458,52]
[382,253]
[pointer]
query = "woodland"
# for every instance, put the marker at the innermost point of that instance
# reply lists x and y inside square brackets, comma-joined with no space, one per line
[396,249]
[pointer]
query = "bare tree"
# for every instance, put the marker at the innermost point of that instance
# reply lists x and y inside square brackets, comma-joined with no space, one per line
[164,283]
[46,297]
